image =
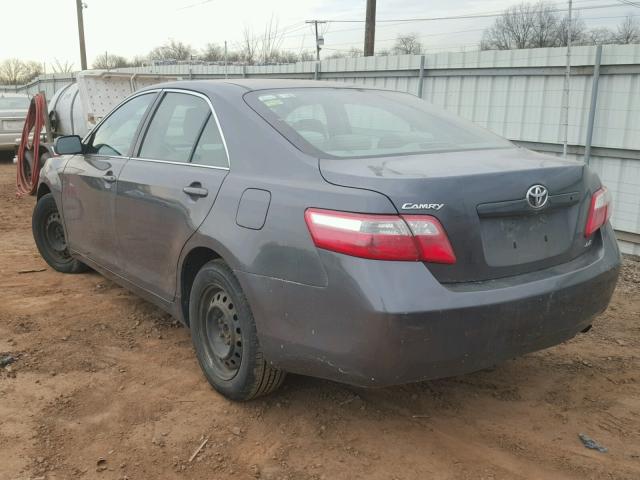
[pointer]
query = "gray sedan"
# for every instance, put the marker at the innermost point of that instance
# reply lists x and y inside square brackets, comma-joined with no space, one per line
[13,111]
[354,234]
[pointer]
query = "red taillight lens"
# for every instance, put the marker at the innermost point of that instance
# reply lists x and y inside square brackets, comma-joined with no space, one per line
[380,237]
[599,211]
[432,240]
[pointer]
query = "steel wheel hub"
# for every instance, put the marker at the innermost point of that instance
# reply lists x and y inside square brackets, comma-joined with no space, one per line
[223,332]
[54,233]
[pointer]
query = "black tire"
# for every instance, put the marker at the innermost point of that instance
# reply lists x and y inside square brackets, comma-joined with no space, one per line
[48,232]
[224,336]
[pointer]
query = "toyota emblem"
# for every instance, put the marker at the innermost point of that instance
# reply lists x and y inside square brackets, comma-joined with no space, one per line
[537,196]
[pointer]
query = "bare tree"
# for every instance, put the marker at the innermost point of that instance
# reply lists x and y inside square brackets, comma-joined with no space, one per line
[515,28]
[408,44]
[270,41]
[285,56]
[32,70]
[234,56]
[139,61]
[306,56]
[353,52]
[535,25]
[599,36]
[545,27]
[628,31]
[107,61]
[532,25]
[11,71]
[212,52]
[172,50]
[249,47]
[578,32]
[14,71]
[62,67]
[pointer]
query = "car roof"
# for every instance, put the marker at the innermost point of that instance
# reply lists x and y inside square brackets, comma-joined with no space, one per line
[248,84]
[268,83]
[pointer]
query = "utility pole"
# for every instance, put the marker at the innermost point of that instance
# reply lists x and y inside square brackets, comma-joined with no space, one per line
[83,51]
[225,59]
[567,80]
[315,23]
[370,28]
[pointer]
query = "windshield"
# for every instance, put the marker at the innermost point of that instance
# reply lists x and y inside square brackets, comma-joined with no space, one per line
[349,122]
[14,103]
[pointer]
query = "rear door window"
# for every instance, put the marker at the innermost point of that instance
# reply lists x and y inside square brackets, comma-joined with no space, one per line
[210,150]
[175,127]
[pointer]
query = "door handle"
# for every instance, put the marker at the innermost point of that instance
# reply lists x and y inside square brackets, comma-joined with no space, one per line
[109,177]
[195,190]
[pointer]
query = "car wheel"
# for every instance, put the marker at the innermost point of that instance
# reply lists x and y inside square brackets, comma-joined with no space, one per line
[224,336]
[48,232]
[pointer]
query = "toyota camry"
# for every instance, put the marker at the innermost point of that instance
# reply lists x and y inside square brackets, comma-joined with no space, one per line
[355,234]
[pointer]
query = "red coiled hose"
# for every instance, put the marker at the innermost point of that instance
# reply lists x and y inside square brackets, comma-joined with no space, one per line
[27,176]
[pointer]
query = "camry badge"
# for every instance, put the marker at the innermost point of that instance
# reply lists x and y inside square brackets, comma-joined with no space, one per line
[537,196]
[422,206]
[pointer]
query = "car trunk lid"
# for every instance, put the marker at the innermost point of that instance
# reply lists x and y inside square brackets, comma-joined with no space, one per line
[479,197]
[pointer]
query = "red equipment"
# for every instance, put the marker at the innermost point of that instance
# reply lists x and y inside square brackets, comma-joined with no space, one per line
[28,175]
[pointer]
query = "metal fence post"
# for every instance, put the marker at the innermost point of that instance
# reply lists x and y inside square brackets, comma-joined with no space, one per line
[594,103]
[421,76]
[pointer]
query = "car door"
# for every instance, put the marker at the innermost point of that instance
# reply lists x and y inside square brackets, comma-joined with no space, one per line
[89,181]
[166,190]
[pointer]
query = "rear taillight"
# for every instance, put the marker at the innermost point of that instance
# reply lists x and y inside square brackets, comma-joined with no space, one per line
[599,211]
[380,237]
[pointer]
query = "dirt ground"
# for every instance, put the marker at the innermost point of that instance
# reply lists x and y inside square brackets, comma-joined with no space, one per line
[107,386]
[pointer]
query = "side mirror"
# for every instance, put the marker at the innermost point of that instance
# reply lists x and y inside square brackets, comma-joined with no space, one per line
[68,145]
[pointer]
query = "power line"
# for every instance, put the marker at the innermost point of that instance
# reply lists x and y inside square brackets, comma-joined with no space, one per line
[628,2]
[479,15]
[389,39]
[194,4]
[485,15]
[458,32]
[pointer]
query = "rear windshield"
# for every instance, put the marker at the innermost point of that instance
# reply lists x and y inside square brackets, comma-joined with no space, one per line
[14,103]
[350,122]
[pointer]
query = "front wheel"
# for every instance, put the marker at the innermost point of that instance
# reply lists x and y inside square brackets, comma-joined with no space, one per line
[224,336]
[48,232]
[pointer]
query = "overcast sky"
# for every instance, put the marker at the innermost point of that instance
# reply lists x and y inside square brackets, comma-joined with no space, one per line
[132,27]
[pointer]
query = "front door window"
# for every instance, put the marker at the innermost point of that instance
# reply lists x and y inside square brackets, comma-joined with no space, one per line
[115,135]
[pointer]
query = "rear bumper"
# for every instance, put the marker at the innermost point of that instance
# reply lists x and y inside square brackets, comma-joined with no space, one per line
[8,141]
[385,323]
